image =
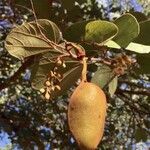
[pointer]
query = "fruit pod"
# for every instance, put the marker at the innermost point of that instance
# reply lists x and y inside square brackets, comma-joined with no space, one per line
[86,115]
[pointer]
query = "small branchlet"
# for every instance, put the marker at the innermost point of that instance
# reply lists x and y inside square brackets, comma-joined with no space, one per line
[55,76]
[79,53]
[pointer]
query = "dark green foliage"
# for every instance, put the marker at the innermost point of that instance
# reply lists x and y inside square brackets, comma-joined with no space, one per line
[143,37]
[125,34]
[143,60]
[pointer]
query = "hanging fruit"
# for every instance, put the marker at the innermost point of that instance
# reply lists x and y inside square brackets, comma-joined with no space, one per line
[86,113]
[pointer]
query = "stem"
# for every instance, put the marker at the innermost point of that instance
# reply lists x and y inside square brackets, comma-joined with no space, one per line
[83,78]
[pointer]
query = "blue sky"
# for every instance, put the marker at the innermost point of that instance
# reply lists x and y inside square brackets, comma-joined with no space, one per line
[4,140]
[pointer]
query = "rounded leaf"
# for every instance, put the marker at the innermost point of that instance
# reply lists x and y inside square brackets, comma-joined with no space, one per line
[76,31]
[113,86]
[45,64]
[143,37]
[100,31]
[102,76]
[143,60]
[32,38]
[39,6]
[128,30]
[68,4]
[139,16]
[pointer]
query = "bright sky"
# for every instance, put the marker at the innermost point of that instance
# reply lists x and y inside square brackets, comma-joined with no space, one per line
[4,140]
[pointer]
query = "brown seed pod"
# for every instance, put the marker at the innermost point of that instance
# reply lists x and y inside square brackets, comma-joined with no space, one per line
[86,115]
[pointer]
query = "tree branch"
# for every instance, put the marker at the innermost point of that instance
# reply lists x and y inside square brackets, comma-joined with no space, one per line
[123,97]
[14,77]
[134,92]
[139,85]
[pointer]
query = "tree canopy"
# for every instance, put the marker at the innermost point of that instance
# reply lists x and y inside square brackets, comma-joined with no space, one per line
[37,36]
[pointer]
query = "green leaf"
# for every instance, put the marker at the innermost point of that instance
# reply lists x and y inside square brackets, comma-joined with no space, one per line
[42,7]
[69,79]
[37,75]
[128,30]
[144,36]
[139,16]
[68,4]
[76,31]
[92,31]
[45,64]
[32,38]
[100,31]
[141,135]
[113,86]
[144,61]
[102,76]
[41,69]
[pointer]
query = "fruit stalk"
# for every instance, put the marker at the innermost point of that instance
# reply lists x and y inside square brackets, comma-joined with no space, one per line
[84,71]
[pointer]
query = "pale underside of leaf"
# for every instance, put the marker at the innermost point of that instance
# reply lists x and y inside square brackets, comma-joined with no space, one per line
[33,38]
[139,48]
[134,47]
